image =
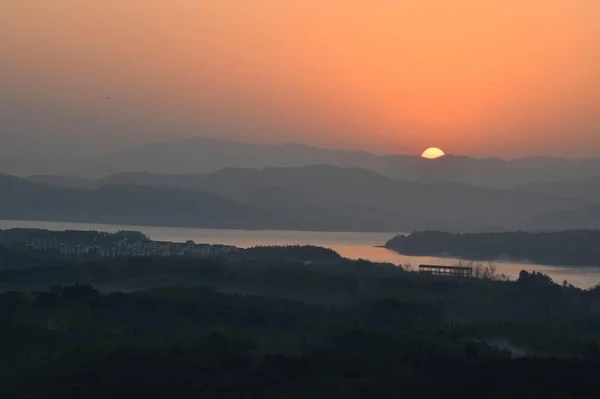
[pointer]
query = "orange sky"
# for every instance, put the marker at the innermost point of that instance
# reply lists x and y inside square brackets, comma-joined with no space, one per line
[483,78]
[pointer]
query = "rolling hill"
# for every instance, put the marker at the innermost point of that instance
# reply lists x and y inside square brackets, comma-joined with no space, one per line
[208,155]
[171,206]
[582,188]
[324,197]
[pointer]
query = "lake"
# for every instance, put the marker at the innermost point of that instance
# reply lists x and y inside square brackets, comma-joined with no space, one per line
[349,245]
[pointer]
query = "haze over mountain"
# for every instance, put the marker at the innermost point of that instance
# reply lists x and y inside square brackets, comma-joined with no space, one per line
[485,78]
[117,204]
[581,218]
[424,205]
[206,155]
[580,188]
[318,197]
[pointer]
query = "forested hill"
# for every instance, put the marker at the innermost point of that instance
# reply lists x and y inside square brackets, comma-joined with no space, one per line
[572,247]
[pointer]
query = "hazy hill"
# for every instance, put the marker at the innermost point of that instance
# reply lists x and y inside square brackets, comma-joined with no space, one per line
[349,184]
[582,218]
[330,198]
[206,155]
[199,155]
[587,188]
[170,206]
[119,204]
[64,181]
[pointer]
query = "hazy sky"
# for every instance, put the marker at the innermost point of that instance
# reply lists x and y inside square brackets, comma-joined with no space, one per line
[474,77]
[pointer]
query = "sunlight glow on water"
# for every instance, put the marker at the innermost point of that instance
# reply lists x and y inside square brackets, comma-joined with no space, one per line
[349,245]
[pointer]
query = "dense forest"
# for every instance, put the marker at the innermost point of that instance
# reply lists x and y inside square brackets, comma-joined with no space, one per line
[265,327]
[569,248]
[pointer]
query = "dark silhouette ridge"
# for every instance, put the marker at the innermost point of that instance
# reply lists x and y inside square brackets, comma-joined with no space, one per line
[353,330]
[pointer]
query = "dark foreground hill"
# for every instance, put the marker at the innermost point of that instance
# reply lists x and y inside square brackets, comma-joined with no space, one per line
[271,328]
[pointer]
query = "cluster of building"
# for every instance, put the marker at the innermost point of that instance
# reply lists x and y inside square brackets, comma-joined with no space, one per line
[448,271]
[122,244]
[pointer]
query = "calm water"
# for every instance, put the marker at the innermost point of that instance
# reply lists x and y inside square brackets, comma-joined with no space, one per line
[350,245]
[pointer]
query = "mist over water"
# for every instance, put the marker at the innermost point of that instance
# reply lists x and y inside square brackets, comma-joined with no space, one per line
[348,244]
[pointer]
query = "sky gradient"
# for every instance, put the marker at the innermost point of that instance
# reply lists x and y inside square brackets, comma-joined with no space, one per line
[506,78]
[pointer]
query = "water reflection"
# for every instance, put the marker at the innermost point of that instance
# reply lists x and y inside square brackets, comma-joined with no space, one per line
[350,245]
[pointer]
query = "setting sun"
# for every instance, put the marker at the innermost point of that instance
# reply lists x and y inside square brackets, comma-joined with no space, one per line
[432,153]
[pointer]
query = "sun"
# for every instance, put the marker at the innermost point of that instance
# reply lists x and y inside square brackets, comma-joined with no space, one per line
[432,153]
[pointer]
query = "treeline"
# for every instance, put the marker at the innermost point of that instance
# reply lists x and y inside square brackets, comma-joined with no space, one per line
[576,247]
[21,236]
[309,274]
[257,328]
[12,246]
[300,253]
[72,341]
[533,298]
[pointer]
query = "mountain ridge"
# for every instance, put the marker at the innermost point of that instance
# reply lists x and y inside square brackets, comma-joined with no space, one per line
[206,155]
[324,197]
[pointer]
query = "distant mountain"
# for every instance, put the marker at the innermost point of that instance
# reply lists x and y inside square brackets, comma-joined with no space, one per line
[64,181]
[170,206]
[587,188]
[207,155]
[324,197]
[24,200]
[198,155]
[582,218]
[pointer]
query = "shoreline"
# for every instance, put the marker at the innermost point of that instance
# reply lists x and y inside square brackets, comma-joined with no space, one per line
[225,228]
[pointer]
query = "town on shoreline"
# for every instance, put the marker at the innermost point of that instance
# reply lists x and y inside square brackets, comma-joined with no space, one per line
[108,245]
